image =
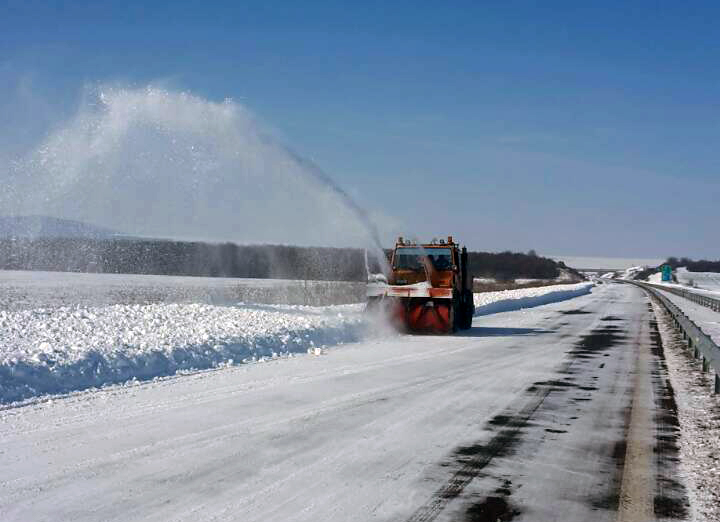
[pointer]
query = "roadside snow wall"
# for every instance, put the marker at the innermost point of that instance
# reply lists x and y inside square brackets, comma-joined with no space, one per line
[59,350]
[508,300]
[56,350]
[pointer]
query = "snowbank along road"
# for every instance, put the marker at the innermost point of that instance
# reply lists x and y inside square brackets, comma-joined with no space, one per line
[51,349]
[559,412]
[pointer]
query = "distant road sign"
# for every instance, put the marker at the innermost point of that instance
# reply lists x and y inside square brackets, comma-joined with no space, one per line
[666,273]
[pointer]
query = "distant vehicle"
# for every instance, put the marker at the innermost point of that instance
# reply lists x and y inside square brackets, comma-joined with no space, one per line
[429,289]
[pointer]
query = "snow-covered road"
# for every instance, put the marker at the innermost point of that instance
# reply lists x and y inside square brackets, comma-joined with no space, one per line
[528,415]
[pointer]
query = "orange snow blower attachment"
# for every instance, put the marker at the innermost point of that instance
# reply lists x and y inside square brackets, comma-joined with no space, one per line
[429,289]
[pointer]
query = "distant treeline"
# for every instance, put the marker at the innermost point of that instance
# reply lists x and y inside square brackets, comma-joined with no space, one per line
[694,266]
[508,265]
[131,256]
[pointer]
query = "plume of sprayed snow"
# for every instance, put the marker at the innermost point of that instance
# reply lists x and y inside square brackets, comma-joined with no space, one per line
[161,163]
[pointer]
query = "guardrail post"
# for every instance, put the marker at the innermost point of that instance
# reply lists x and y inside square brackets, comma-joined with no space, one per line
[705,365]
[717,383]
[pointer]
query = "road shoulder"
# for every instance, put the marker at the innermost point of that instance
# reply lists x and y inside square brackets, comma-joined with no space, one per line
[699,418]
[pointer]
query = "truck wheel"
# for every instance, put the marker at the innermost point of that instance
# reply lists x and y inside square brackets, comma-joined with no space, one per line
[466,311]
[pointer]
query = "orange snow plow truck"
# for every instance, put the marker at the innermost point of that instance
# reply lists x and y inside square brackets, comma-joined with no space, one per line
[428,289]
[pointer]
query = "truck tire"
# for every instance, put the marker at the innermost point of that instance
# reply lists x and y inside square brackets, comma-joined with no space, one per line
[467,309]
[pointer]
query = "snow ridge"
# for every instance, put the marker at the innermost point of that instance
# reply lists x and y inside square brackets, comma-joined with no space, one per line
[50,351]
[508,300]
[61,349]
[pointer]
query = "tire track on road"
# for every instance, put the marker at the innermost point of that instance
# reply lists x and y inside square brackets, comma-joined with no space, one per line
[509,426]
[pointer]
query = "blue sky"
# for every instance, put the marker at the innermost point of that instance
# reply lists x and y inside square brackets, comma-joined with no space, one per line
[565,128]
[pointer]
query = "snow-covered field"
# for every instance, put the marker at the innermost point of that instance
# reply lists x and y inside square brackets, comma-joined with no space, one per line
[703,283]
[709,281]
[47,348]
[706,319]
[27,290]
[631,272]
[655,278]
[606,263]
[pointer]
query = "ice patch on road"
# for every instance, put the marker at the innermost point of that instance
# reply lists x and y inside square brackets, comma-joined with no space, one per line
[508,300]
[58,350]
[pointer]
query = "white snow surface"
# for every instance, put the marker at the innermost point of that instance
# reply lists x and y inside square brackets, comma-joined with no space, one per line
[631,272]
[22,289]
[507,300]
[708,281]
[705,318]
[703,283]
[60,349]
[369,431]
[56,350]
[655,278]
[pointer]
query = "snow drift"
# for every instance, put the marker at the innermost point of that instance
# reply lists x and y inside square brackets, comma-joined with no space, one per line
[59,349]
[507,300]
[50,351]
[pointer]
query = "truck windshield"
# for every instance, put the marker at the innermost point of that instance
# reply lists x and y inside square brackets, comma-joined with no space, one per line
[410,258]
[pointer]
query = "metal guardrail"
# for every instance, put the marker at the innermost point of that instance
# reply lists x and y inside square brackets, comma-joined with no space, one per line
[702,344]
[713,304]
